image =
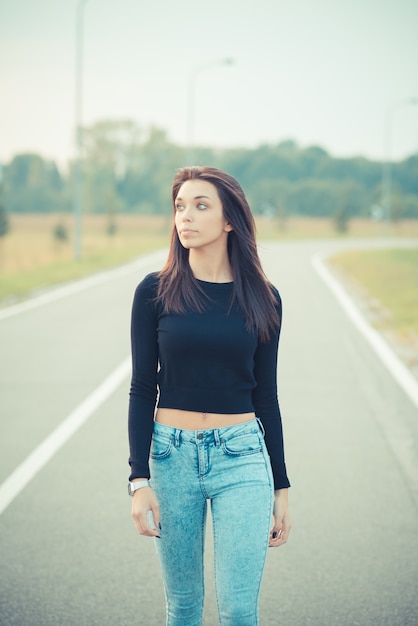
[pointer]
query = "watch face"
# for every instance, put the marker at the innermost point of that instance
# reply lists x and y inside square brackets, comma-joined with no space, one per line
[130,489]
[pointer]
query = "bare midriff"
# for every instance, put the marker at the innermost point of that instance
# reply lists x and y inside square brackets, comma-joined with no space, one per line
[193,420]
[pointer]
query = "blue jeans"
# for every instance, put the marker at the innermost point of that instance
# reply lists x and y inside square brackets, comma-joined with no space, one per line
[230,467]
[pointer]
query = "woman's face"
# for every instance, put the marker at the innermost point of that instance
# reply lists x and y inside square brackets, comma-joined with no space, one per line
[199,215]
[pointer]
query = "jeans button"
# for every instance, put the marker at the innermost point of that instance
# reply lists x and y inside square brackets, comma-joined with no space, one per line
[200,436]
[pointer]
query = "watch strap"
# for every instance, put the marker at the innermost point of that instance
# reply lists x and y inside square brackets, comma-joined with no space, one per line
[137,484]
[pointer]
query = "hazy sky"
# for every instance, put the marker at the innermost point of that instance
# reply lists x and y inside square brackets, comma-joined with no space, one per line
[318,71]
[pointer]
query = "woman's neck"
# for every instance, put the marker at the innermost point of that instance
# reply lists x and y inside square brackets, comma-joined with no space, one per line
[207,268]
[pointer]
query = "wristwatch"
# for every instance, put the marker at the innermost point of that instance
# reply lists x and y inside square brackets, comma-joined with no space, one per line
[138,484]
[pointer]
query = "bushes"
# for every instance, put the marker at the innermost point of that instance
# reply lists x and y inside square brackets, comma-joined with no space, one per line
[128,169]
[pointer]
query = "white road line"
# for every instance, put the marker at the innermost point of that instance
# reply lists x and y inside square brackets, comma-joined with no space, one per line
[27,470]
[80,285]
[395,366]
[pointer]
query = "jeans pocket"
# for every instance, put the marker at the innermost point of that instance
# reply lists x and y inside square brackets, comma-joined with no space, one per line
[160,447]
[242,445]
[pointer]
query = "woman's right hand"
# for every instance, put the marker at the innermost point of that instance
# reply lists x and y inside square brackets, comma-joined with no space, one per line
[143,501]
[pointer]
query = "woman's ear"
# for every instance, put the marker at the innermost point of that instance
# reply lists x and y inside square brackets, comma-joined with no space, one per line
[228,227]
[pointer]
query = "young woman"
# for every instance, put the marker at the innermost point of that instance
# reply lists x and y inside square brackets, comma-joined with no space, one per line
[205,332]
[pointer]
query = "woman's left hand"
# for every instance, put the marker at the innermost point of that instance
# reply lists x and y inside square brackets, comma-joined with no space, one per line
[280,530]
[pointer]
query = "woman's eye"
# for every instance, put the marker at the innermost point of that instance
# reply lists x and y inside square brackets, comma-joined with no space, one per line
[201,207]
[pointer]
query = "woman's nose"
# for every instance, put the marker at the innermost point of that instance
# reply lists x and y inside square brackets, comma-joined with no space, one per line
[187,215]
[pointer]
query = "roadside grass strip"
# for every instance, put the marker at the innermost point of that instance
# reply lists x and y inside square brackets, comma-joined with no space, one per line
[69,289]
[395,366]
[389,276]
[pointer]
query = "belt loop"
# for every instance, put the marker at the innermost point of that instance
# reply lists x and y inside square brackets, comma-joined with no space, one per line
[260,425]
[216,437]
[177,437]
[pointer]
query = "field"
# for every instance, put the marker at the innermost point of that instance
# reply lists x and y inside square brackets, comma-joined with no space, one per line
[385,282]
[32,258]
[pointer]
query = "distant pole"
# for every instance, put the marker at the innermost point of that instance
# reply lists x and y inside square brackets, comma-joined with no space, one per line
[387,161]
[78,173]
[191,102]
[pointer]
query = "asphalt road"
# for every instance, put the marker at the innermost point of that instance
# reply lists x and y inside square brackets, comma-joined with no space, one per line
[69,554]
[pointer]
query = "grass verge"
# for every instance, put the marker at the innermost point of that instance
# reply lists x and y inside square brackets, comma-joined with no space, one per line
[31,258]
[385,284]
[18,285]
[389,278]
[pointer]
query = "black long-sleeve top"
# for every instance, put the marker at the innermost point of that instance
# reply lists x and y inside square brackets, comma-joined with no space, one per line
[206,362]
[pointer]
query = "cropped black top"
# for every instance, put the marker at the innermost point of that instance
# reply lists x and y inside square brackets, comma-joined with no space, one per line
[206,362]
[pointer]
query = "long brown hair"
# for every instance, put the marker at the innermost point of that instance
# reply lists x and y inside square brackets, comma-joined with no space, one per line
[252,291]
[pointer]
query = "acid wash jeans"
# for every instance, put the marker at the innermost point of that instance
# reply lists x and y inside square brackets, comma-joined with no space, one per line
[229,467]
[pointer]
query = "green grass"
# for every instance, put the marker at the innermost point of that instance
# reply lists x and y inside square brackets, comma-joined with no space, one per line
[389,276]
[15,285]
[32,259]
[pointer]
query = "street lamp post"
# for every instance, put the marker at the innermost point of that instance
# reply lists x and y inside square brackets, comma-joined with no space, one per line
[191,101]
[387,162]
[78,174]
